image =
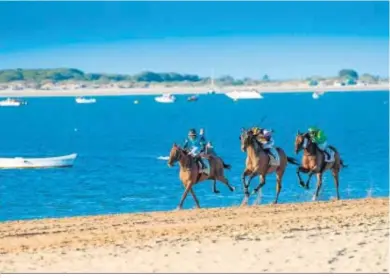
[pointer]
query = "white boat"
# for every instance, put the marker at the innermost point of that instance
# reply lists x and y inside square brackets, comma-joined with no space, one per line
[48,162]
[166,98]
[316,95]
[83,100]
[12,102]
[252,94]
[193,98]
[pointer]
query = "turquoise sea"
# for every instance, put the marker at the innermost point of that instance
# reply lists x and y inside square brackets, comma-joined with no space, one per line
[118,143]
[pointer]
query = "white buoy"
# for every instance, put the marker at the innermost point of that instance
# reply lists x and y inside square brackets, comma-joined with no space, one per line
[135,101]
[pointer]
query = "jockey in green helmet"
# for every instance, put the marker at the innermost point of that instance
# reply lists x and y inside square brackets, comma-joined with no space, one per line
[318,136]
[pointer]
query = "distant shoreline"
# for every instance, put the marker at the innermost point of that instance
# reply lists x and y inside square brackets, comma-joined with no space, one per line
[186,90]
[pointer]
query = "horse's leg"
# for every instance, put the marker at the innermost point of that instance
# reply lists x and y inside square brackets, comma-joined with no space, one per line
[183,197]
[308,179]
[335,174]
[261,184]
[226,182]
[195,198]
[215,190]
[300,180]
[254,174]
[246,191]
[319,183]
[279,176]
[258,189]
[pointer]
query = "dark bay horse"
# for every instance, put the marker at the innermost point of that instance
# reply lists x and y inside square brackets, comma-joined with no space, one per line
[313,162]
[191,174]
[258,164]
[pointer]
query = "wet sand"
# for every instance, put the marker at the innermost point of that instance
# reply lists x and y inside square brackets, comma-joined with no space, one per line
[336,236]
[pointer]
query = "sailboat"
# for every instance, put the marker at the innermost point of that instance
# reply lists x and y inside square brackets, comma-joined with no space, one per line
[212,91]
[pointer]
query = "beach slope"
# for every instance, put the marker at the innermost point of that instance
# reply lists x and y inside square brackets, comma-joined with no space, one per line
[336,236]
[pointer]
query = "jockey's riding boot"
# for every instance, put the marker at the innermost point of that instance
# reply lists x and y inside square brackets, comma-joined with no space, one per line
[202,163]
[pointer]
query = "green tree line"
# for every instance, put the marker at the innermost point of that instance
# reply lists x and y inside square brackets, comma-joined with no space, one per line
[70,74]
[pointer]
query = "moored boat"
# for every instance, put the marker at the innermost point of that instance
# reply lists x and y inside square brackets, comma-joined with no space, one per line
[317,94]
[253,94]
[166,98]
[12,102]
[47,162]
[83,100]
[192,98]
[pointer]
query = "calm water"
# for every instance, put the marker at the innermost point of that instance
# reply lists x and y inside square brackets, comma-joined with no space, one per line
[118,144]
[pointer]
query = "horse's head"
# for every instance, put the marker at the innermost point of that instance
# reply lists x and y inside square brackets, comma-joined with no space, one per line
[174,155]
[301,141]
[246,137]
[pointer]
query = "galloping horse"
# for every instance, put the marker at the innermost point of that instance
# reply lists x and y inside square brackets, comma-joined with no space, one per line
[258,162]
[313,162]
[191,174]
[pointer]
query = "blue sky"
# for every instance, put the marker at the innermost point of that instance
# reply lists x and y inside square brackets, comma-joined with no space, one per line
[244,39]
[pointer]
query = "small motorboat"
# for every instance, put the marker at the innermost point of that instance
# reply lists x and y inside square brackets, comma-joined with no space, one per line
[12,102]
[48,162]
[83,100]
[192,98]
[166,98]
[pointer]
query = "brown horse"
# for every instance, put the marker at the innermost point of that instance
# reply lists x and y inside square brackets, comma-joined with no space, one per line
[191,174]
[313,162]
[258,162]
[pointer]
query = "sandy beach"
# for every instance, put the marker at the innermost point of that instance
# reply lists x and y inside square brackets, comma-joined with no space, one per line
[186,90]
[336,236]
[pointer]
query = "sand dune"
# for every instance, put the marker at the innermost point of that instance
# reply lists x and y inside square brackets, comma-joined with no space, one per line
[338,236]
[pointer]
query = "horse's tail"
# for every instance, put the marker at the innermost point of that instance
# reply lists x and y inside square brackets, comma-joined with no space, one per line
[292,160]
[226,166]
[341,161]
[342,164]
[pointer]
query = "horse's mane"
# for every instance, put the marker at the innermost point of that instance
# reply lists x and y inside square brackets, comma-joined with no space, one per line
[258,147]
[307,136]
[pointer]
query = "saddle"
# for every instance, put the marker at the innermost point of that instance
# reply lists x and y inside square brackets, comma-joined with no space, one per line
[328,154]
[273,155]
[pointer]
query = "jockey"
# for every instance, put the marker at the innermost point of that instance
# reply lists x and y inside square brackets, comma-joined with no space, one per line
[264,137]
[318,137]
[195,145]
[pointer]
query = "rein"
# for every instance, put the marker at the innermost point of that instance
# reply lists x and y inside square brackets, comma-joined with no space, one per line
[181,154]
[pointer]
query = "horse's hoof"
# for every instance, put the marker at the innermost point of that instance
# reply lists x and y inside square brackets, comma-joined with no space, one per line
[232,189]
[217,191]
[302,184]
[177,209]
[254,192]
